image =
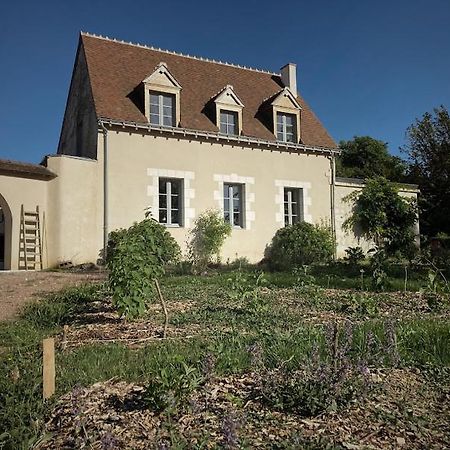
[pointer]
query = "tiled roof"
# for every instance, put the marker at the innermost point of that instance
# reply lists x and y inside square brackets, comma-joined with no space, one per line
[116,70]
[25,170]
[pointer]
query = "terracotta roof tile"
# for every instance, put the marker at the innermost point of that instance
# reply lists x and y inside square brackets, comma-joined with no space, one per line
[25,170]
[117,69]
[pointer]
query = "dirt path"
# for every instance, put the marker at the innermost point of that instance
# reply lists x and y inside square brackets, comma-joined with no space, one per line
[18,288]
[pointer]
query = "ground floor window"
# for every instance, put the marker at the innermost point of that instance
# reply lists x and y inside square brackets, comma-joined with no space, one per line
[293,205]
[233,204]
[170,201]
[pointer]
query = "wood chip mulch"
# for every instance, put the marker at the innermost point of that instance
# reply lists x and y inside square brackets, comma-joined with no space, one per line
[405,413]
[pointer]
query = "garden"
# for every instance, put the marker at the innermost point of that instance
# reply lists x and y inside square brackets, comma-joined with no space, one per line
[298,352]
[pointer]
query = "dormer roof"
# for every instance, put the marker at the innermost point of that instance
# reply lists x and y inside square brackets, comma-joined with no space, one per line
[117,69]
[227,96]
[286,99]
[161,76]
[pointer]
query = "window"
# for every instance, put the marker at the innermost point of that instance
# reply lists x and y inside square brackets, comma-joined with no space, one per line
[228,122]
[170,201]
[162,109]
[293,205]
[286,127]
[232,204]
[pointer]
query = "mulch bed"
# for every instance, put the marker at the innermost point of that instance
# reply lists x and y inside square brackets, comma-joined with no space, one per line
[405,412]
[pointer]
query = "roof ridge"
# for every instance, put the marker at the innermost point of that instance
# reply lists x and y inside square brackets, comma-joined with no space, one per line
[171,52]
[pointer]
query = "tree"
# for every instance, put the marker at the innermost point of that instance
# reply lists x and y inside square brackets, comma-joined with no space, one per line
[366,157]
[428,150]
[383,216]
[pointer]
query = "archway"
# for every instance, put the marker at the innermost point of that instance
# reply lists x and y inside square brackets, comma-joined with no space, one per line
[5,234]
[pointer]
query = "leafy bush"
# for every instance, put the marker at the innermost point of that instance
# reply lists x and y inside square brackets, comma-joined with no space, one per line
[246,287]
[207,237]
[354,255]
[379,267]
[170,388]
[300,244]
[137,257]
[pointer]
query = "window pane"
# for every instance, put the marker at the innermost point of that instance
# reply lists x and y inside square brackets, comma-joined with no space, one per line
[162,185]
[167,121]
[174,216]
[226,217]
[174,202]
[167,100]
[226,204]
[226,190]
[236,219]
[175,187]
[154,99]
[154,109]
[154,119]
[163,201]
[163,216]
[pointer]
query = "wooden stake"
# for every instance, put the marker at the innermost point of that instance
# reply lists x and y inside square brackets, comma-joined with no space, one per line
[48,368]
[163,304]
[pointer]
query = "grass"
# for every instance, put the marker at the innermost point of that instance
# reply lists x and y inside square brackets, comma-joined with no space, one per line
[277,320]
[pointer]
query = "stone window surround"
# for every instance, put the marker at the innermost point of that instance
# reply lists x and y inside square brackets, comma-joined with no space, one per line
[279,199]
[248,196]
[188,193]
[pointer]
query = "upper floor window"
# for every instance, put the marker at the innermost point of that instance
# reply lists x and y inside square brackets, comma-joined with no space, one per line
[233,204]
[293,205]
[286,127]
[162,109]
[170,201]
[229,122]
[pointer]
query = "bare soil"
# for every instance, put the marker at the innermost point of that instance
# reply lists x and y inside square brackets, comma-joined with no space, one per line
[19,288]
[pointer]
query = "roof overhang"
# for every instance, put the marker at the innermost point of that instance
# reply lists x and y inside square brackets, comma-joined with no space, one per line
[19,169]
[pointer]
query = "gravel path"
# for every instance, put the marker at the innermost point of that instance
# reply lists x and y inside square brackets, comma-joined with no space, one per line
[18,288]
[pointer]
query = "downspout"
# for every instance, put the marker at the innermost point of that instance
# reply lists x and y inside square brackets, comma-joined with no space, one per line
[333,202]
[105,189]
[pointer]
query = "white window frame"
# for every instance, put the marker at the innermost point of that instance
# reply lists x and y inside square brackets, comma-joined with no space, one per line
[228,124]
[284,132]
[230,198]
[290,218]
[160,105]
[168,195]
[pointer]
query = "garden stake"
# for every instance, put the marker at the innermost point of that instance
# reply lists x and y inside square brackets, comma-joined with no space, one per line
[406,277]
[163,303]
[48,368]
[335,344]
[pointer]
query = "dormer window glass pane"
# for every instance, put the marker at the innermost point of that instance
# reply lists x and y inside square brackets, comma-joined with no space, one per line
[286,127]
[162,109]
[229,122]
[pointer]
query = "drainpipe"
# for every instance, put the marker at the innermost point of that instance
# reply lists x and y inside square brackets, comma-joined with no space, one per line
[333,201]
[105,189]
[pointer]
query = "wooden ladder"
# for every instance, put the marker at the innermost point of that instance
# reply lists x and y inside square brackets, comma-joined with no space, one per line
[30,245]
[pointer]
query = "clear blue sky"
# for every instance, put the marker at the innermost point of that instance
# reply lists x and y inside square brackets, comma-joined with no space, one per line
[365,67]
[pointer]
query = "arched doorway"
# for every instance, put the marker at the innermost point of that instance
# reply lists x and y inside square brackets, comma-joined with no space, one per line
[5,234]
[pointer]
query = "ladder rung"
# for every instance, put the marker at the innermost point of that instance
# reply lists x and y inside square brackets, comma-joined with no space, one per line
[30,213]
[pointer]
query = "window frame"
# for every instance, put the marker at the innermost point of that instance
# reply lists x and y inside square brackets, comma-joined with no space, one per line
[230,210]
[160,105]
[294,199]
[168,194]
[284,127]
[233,113]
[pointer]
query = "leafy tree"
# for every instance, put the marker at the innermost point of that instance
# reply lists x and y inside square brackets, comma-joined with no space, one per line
[366,157]
[383,216]
[207,237]
[428,150]
[136,259]
[300,244]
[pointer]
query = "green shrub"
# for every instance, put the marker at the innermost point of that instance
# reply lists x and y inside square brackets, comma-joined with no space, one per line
[300,244]
[354,255]
[207,237]
[136,258]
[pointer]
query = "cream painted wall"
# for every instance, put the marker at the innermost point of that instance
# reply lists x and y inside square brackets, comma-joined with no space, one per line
[16,192]
[133,156]
[75,214]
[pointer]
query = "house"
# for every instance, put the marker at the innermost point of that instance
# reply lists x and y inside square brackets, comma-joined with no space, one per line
[151,129]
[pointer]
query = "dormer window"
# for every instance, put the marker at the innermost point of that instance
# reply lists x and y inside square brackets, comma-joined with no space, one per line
[162,97]
[286,117]
[162,109]
[228,112]
[229,122]
[286,127]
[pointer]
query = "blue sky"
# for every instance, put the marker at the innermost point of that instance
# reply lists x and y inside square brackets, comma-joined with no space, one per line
[365,67]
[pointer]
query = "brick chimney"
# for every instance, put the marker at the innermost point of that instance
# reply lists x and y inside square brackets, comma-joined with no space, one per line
[289,77]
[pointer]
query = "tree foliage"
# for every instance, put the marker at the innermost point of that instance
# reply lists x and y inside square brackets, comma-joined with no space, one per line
[381,214]
[428,150]
[300,244]
[366,157]
[136,258]
[207,237]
